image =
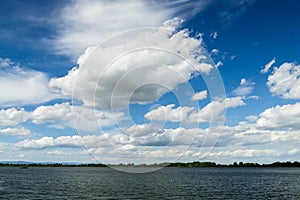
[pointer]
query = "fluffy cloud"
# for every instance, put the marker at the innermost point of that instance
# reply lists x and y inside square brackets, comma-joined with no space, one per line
[81,24]
[61,115]
[277,125]
[42,114]
[245,88]
[136,67]
[75,141]
[22,86]
[149,135]
[214,111]
[200,95]
[16,131]
[45,142]
[285,81]
[57,112]
[141,136]
[268,66]
[286,116]
[147,141]
[246,134]
[142,129]
[169,113]
[12,116]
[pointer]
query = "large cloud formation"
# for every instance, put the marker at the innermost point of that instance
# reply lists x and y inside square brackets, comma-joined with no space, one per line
[141,66]
[135,67]
[86,23]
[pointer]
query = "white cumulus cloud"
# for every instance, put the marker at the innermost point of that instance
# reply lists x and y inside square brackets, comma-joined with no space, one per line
[169,113]
[46,142]
[60,116]
[286,116]
[54,113]
[135,68]
[200,95]
[285,81]
[13,116]
[16,131]
[214,111]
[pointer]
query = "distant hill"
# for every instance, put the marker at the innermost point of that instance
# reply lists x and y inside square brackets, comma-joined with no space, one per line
[16,162]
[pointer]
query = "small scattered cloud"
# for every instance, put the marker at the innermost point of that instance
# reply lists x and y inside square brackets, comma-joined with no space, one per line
[169,113]
[214,35]
[243,81]
[200,95]
[246,87]
[267,66]
[253,97]
[219,63]
[16,131]
[232,57]
[215,51]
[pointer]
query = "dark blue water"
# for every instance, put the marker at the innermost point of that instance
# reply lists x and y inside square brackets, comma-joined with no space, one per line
[169,183]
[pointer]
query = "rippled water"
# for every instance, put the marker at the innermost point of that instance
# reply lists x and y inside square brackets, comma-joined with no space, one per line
[169,183]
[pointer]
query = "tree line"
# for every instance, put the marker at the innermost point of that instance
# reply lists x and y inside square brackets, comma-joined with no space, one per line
[195,164]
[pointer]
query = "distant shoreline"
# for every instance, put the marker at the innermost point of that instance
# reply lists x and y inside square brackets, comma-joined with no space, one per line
[169,165]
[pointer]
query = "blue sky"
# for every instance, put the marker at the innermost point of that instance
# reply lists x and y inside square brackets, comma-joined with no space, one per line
[145,82]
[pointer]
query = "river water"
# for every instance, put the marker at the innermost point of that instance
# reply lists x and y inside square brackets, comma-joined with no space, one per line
[168,183]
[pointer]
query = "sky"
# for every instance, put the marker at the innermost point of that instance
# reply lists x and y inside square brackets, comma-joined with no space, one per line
[150,81]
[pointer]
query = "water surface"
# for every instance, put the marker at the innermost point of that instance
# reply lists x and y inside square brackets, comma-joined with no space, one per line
[168,183]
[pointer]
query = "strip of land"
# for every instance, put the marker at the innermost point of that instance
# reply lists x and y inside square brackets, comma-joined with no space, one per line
[177,164]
